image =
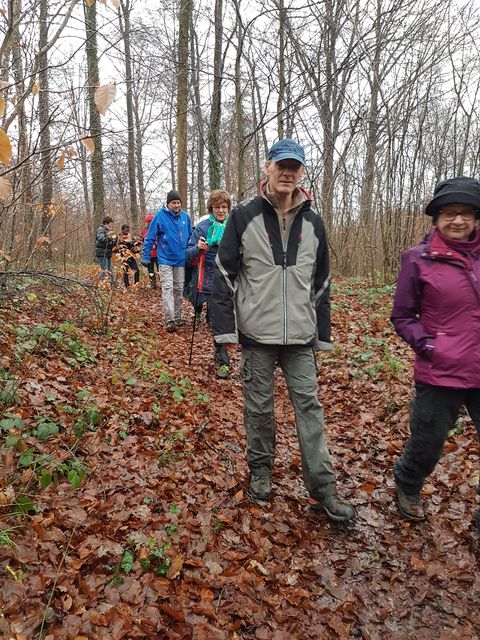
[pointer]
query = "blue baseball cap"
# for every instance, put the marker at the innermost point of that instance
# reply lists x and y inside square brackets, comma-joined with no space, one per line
[286,150]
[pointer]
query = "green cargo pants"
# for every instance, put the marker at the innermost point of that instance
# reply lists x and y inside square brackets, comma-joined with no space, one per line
[299,368]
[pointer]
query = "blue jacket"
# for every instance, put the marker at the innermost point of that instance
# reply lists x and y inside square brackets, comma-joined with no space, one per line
[171,231]
[193,255]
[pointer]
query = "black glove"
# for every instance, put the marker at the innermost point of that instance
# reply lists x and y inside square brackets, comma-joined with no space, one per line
[145,263]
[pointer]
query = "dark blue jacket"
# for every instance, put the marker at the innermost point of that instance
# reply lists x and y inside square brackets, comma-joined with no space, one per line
[171,231]
[193,256]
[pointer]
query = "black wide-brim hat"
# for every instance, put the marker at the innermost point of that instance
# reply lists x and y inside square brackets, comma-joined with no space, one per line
[461,190]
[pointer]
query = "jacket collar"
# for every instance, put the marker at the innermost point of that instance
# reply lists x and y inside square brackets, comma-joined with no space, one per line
[438,247]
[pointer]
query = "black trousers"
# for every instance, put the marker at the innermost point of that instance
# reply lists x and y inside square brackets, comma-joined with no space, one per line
[434,413]
[221,354]
[130,263]
[151,266]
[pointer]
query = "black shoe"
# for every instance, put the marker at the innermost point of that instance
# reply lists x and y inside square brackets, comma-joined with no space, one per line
[410,505]
[260,487]
[171,326]
[336,509]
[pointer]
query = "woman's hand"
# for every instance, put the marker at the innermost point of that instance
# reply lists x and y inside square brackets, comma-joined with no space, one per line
[202,244]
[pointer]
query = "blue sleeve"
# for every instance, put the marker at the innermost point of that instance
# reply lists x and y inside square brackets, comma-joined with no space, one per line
[192,248]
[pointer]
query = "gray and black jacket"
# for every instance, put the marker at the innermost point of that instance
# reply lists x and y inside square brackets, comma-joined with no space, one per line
[264,293]
[104,242]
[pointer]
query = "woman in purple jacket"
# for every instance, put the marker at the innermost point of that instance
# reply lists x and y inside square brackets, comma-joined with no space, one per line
[437,311]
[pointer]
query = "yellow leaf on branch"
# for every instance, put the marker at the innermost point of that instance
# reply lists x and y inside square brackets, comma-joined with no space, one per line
[2,106]
[61,161]
[42,241]
[5,148]
[35,88]
[104,96]
[90,2]
[116,3]
[89,143]
[5,189]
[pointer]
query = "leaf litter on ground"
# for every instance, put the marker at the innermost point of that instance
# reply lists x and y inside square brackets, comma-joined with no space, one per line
[160,540]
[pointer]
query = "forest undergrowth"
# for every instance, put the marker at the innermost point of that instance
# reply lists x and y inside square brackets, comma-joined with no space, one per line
[123,502]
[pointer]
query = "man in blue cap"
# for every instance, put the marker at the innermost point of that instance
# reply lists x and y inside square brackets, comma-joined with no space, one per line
[271,294]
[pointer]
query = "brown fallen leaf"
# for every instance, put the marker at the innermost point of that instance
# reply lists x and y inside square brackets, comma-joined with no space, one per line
[175,567]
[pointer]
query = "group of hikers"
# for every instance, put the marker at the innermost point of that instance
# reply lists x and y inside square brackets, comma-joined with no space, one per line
[263,271]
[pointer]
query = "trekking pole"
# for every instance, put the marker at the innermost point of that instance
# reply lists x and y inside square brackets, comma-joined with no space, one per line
[201,269]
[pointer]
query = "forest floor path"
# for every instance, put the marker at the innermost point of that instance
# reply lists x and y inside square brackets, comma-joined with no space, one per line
[123,485]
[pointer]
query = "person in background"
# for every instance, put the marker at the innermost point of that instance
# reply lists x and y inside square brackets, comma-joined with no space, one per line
[170,229]
[436,310]
[128,248]
[201,253]
[271,293]
[153,264]
[105,241]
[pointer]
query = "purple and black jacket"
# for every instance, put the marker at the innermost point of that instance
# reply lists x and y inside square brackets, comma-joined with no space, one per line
[436,310]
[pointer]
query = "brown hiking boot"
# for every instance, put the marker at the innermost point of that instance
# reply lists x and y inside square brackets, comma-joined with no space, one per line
[336,509]
[410,505]
[171,326]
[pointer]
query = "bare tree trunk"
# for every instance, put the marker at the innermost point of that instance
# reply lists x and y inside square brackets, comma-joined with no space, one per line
[24,179]
[200,152]
[239,115]
[44,125]
[281,71]
[184,19]
[98,189]
[214,156]
[82,155]
[139,155]
[132,178]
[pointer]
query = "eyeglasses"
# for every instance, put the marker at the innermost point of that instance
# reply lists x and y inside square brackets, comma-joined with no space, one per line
[449,216]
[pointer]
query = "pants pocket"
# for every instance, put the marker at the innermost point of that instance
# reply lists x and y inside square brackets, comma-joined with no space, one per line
[246,365]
